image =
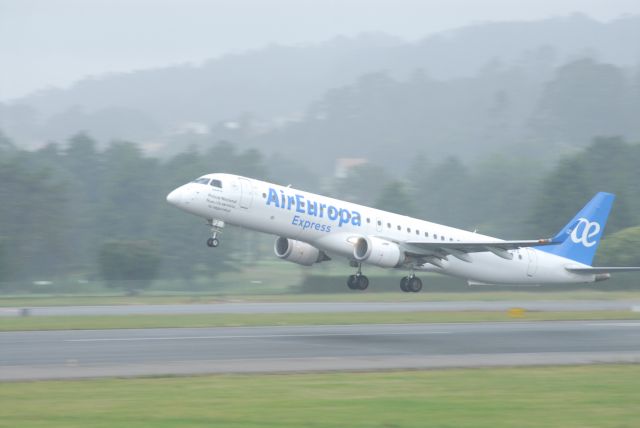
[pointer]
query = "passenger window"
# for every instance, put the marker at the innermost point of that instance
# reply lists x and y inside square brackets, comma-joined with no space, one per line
[408,230]
[417,232]
[368,220]
[389,225]
[442,238]
[435,236]
[216,183]
[379,222]
[399,227]
[426,234]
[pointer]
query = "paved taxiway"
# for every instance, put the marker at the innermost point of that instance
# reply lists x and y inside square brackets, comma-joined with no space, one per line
[94,353]
[326,307]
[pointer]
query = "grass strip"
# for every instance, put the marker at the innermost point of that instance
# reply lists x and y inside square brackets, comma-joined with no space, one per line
[568,397]
[90,322]
[164,299]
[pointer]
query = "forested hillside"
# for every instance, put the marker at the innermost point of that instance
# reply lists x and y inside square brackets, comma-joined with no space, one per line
[543,88]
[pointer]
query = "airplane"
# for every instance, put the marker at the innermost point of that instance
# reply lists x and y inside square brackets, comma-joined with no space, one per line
[311,228]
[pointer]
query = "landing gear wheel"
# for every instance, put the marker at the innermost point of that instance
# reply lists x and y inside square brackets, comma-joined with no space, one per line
[357,282]
[213,242]
[352,282]
[403,284]
[414,284]
[363,282]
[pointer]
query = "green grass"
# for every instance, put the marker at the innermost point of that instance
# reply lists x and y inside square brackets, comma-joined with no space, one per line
[236,320]
[568,397]
[162,299]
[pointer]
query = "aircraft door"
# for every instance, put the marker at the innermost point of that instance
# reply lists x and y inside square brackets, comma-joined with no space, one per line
[532,267]
[246,193]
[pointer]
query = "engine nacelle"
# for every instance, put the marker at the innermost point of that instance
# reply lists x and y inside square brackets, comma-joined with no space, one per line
[298,252]
[378,252]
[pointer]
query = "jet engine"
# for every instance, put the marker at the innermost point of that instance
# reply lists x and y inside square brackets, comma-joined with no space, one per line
[378,252]
[298,252]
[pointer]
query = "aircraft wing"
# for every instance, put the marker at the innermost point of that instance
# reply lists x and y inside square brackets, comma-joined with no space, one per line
[461,250]
[602,269]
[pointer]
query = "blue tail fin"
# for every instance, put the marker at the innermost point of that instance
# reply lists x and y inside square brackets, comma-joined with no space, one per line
[579,239]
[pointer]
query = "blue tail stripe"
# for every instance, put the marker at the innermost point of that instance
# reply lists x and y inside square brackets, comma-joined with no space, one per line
[579,239]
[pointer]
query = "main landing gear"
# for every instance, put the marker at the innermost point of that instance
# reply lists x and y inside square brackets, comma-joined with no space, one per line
[358,281]
[216,229]
[408,284]
[411,284]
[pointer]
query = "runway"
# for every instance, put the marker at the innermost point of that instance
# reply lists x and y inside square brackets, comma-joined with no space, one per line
[327,307]
[101,353]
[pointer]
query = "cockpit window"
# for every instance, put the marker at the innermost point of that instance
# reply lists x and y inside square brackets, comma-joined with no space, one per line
[216,183]
[201,180]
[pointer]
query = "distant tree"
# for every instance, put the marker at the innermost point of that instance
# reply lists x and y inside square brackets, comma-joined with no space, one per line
[450,190]
[609,165]
[5,142]
[251,163]
[621,248]
[128,196]
[586,99]
[395,198]
[32,213]
[562,193]
[4,260]
[417,170]
[132,265]
[500,192]
[362,184]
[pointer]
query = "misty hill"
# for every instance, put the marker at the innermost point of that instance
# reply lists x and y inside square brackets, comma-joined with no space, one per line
[506,110]
[486,85]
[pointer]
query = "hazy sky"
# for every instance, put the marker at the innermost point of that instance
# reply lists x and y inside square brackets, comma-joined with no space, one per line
[55,42]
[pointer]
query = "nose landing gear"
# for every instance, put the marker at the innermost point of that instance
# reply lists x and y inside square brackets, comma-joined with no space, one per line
[216,229]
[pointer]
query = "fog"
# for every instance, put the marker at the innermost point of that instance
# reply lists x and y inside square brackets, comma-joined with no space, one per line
[57,42]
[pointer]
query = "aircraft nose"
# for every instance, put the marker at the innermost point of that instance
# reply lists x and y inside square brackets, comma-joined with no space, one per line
[175,197]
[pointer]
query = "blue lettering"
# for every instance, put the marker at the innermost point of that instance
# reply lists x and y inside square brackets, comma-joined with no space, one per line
[356,220]
[332,212]
[299,204]
[273,197]
[344,215]
[312,208]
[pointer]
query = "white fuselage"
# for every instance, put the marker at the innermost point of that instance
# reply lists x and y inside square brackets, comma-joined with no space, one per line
[332,226]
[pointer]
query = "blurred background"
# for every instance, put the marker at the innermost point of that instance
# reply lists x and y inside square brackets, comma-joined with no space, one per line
[492,116]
